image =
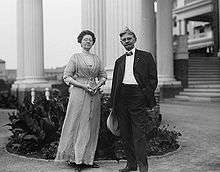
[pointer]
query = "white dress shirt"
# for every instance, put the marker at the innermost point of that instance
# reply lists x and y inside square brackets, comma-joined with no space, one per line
[129,74]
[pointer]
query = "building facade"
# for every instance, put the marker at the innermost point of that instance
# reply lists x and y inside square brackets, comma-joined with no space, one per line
[52,74]
[198,20]
[196,49]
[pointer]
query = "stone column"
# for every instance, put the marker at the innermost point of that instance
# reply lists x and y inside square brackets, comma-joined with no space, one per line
[165,64]
[218,27]
[183,27]
[179,27]
[30,46]
[20,41]
[148,23]
[139,16]
[33,41]
[94,19]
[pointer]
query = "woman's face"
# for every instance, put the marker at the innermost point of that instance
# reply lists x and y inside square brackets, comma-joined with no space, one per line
[87,42]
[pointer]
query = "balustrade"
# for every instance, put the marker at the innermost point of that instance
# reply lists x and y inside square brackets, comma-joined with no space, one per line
[189,1]
[33,94]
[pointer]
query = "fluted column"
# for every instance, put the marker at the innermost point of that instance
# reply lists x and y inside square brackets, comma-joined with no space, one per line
[94,19]
[218,28]
[33,41]
[165,64]
[108,18]
[20,41]
[139,16]
[148,23]
[30,55]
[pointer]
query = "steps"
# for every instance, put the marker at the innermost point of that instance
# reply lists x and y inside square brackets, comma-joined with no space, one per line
[203,80]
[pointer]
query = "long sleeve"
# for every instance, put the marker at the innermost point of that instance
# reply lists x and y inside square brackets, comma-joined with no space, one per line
[102,73]
[114,80]
[152,73]
[69,71]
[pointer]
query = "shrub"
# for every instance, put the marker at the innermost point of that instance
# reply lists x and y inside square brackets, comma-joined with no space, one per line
[36,126]
[108,147]
[163,140]
[36,130]
[8,101]
[111,147]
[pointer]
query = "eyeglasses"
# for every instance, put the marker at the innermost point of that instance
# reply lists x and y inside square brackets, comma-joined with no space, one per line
[126,39]
[87,40]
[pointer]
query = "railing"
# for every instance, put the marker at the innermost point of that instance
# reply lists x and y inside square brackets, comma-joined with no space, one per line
[201,35]
[47,94]
[200,40]
[189,1]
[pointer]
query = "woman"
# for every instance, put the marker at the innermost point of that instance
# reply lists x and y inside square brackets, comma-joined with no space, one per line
[80,130]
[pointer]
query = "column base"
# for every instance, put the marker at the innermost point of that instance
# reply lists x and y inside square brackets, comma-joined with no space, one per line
[169,89]
[218,53]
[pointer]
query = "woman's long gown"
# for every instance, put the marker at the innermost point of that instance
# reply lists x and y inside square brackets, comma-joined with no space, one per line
[80,130]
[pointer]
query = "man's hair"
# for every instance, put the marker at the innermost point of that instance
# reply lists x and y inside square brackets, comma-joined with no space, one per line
[128,31]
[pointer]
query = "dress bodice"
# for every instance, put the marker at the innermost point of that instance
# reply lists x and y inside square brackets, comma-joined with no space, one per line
[84,67]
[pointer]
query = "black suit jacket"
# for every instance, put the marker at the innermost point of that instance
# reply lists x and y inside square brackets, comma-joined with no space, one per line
[145,73]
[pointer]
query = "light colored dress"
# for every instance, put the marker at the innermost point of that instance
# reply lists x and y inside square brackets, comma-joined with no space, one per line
[80,130]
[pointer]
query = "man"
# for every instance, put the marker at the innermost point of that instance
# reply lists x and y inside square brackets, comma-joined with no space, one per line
[133,85]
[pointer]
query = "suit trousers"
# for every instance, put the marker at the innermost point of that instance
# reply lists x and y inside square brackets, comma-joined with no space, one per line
[132,123]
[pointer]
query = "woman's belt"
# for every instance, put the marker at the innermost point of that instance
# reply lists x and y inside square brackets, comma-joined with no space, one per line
[86,80]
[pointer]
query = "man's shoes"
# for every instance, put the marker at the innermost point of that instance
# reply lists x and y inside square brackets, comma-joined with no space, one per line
[94,165]
[128,169]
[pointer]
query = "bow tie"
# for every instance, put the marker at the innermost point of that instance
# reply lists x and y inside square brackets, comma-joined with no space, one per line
[130,53]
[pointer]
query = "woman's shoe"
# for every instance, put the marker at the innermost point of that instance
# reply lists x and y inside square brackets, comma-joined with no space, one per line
[78,167]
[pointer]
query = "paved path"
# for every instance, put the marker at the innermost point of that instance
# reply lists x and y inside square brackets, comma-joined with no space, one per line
[199,152]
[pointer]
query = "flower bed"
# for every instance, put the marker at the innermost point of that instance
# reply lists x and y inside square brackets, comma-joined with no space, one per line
[36,130]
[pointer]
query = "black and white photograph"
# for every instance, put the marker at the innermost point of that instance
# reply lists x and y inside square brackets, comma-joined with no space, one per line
[109,85]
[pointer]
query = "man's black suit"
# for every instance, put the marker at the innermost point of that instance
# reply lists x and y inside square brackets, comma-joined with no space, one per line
[145,73]
[129,104]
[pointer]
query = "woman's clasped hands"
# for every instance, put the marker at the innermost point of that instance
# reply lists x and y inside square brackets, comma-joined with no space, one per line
[92,90]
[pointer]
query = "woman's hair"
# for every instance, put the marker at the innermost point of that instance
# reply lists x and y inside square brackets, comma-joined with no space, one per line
[86,32]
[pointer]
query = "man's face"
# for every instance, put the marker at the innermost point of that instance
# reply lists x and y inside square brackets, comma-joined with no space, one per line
[128,41]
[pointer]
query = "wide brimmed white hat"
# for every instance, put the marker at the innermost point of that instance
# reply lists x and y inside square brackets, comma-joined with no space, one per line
[112,124]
